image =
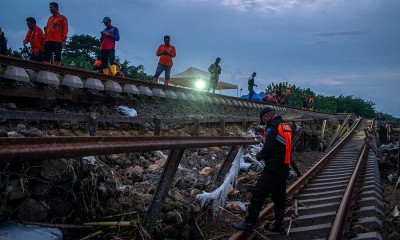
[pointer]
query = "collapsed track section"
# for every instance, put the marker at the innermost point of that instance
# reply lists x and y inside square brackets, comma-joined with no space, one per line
[340,192]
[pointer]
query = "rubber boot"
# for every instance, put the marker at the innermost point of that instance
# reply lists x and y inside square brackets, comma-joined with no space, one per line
[57,63]
[166,82]
[244,226]
[113,69]
[278,227]
[105,71]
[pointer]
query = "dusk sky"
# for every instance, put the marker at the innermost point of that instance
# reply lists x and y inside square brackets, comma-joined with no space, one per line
[333,47]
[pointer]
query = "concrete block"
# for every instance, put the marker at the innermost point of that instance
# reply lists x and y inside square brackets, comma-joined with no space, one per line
[370,222]
[181,96]
[215,100]
[145,91]
[170,94]
[191,97]
[47,78]
[200,98]
[113,86]
[92,83]
[368,236]
[239,103]
[130,88]
[158,92]
[32,74]
[228,102]
[221,101]
[72,81]
[244,104]
[207,99]
[16,73]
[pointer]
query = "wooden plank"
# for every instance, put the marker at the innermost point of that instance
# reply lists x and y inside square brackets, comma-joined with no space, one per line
[226,165]
[157,126]
[164,183]
[323,130]
[222,127]
[196,129]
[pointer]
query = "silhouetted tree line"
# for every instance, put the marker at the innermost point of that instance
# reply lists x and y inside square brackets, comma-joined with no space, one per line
[330,104]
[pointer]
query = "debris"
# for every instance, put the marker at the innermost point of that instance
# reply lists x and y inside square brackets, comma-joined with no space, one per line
[18,231]
[127,111]
[218,196]
[236,206]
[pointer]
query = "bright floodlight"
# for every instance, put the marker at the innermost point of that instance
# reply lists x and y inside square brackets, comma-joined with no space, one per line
[200,84]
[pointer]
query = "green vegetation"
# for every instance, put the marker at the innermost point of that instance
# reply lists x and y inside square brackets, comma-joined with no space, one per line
[329,104]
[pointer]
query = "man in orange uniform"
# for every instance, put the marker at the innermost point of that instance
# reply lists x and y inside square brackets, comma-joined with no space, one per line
[56,32]
[311,103]
[276,154]
[288,92]
[166,52]
[36,39]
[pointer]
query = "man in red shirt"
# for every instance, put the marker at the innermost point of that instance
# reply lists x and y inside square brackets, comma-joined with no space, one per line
[36,39]
[107,50]
[166,52]
[56,32]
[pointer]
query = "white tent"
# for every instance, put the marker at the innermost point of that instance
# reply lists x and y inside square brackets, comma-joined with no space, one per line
[191,76]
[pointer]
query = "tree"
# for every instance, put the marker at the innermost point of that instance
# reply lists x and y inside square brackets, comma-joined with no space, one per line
[82,45]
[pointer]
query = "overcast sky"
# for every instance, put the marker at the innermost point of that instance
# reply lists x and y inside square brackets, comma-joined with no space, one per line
[349,47]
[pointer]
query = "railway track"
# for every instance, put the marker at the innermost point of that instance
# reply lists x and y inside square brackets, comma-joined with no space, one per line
[37,80]
[339,196]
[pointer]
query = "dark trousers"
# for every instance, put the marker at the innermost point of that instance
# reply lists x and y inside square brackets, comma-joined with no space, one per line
[268,184]
[251,93]
[213,84]
[107,55]
[50,48]
[161,68]
[38,58]
[287,100]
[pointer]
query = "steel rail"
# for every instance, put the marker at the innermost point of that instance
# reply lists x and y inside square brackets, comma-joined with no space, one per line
[342,212]
[293,189]
[27,64]
[69,147]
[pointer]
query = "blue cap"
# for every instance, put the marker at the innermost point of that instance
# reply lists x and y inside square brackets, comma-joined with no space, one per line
[106,19]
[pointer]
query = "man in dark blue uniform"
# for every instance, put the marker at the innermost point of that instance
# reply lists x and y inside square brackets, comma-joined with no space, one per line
[276,155]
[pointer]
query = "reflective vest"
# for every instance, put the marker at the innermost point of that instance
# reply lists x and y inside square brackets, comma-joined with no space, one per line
[284,136]
[56,29]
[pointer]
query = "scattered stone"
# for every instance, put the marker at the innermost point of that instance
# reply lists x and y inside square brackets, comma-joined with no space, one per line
[135,173]
[14,134]
[15,190]
[153,168]
[32,211]
[206,171]
[10,106]
[60,207]
[57,170]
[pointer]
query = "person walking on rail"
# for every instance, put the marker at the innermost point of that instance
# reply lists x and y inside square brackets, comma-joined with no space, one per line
[166,52]
[35,37]
[304,99]
[56,33]
[311,103]
[215,71]
[3,43]
[288,92]
[251,85]
[272,181]
[107,49]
